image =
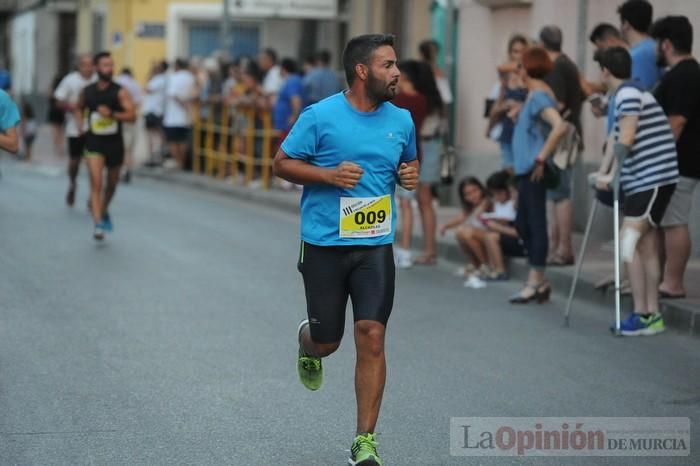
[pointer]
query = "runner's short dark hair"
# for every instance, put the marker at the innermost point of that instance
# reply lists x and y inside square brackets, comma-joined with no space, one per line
[604,31]
[617,60]
[359,51]
[99,56]
[676,29]
[638,13]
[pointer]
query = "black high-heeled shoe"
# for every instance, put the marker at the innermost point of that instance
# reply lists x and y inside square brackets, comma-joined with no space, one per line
[525,295]
[539,293]
[543,293]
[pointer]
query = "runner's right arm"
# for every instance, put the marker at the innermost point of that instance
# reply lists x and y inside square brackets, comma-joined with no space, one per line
[9,140]
[346,175]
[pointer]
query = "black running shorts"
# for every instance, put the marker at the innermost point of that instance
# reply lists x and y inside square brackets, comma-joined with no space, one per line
[650,204]
[110,148]
[331,274]
[76,147]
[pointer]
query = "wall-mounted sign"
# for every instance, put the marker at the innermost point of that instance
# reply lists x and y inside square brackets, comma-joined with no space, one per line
[117,39]
[146,30]
[311,9]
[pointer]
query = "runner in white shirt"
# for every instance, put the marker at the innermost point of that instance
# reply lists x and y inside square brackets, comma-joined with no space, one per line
[67,95]
[132,86]
[154,106]
[181,90]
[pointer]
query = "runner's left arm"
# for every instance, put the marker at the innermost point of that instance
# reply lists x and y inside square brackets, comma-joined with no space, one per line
[408,174]
[128,113]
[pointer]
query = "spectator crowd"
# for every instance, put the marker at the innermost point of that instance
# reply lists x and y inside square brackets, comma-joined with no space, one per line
[647,91]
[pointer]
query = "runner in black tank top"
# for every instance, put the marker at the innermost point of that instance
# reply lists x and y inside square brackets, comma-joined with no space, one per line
[104,133]
[102,109]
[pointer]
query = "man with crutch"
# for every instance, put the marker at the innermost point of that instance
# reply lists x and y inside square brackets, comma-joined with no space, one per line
[645,148]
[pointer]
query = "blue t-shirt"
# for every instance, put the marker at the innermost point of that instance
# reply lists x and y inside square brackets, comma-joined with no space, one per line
[531,131]
[333,131]
[283,107]
[644,67]
[9,113]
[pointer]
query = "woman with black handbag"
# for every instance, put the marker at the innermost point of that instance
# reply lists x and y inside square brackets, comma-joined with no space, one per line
[537,132]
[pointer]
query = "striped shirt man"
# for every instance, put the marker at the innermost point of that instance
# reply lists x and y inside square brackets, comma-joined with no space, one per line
[653,161]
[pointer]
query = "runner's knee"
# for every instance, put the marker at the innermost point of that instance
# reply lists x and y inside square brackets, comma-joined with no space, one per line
[370,337]
[325,349]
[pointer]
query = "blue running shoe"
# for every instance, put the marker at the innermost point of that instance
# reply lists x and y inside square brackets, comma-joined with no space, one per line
[638,325]
[107,223]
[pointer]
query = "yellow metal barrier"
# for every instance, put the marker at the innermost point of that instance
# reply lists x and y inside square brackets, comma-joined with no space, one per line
[233,141]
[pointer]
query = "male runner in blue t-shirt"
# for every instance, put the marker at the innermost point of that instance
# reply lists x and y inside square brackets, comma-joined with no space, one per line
[349,151]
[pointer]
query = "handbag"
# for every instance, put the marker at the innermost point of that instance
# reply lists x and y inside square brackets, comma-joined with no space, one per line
[552,175]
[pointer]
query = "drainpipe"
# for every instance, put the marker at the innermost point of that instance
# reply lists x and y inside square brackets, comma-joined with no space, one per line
[225,39]
[582,35]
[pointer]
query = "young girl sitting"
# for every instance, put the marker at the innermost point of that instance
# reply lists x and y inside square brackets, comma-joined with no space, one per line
[471,231]
[501,238]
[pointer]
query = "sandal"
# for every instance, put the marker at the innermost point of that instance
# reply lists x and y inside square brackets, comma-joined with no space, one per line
[425,259]
[561,261]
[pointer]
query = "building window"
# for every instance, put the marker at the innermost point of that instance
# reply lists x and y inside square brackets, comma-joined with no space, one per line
[98,32]
[203,39]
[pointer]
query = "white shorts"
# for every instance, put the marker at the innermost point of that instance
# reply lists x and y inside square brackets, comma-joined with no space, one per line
[129,136]
[678,210]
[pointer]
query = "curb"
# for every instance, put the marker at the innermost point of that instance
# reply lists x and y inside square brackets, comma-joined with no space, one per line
[678,315]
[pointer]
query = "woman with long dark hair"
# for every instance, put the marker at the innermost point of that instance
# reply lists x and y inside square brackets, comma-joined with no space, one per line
[430,136]
[536,135]
[410,98]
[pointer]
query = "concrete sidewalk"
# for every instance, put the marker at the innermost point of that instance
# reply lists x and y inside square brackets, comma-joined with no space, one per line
[682,314]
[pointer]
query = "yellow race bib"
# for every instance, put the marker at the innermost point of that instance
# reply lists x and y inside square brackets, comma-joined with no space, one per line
[103,126]
[365,217]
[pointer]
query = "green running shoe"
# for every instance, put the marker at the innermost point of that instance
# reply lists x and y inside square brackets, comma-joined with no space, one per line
[309,367]
[653,324]
[364,451]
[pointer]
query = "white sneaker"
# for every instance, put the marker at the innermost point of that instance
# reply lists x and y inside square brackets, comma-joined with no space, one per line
[402,258]
[474,282]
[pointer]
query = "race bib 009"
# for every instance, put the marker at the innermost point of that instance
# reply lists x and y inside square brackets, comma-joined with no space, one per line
[365,217]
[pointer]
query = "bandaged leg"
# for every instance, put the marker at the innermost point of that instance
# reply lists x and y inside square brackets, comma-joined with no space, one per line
[629,236]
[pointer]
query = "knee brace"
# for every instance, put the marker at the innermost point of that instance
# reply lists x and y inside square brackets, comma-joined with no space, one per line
[628,243]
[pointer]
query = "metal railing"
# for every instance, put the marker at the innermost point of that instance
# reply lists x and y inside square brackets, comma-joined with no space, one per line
[236,143]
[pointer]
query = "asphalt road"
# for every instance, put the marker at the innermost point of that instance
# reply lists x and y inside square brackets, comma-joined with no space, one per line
[174,343]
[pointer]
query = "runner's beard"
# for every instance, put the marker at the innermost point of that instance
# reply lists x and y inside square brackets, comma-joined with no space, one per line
[378,90]
[104,76]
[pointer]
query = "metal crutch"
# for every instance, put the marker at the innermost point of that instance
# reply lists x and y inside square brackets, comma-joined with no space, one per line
[579,261]
[616,236]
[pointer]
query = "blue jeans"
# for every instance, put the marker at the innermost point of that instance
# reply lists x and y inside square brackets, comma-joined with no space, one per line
[531,220]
